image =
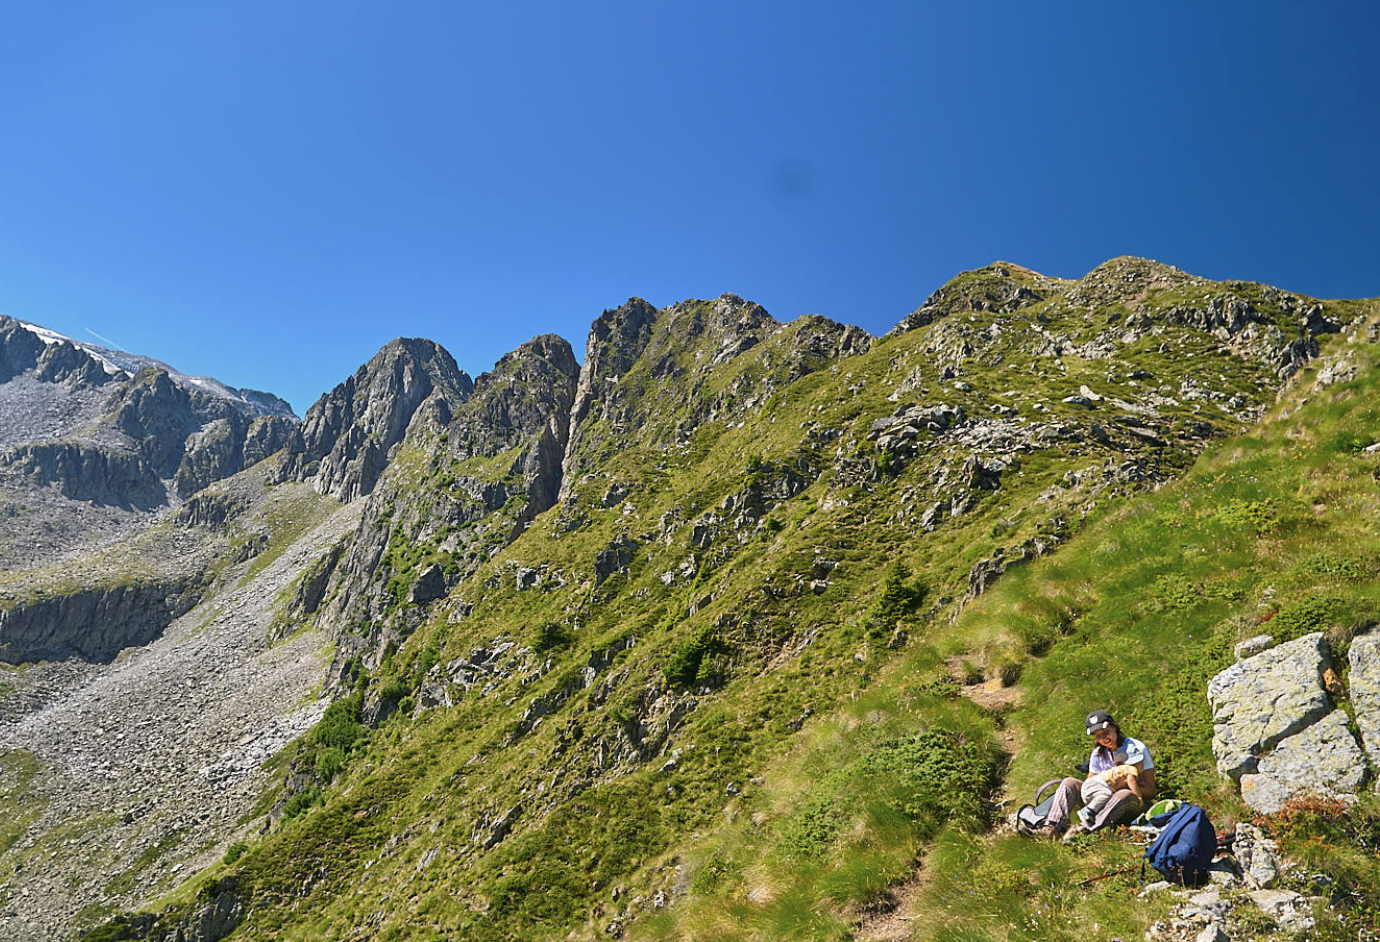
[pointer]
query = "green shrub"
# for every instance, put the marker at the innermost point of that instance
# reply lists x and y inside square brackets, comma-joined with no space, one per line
[1258,516]
[329,761]
[429,658]
[693,661]
[901,596]
[1317,613]
[1175,591]
[235,851]
[340,726]
[900,599]
[926,781]
[997,879]
[340,732]
[302,802]
[1334,567]
[552,635]
[394,690]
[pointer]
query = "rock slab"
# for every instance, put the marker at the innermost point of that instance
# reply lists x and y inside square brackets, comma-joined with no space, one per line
[1364,680]
[1323,760]
[1264,699]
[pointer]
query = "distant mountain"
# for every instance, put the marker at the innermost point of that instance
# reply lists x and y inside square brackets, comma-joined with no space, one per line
[116,362]
[112,428]
[695,640]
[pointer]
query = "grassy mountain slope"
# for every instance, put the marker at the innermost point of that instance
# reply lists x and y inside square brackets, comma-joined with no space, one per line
[713,691]
[1269,532]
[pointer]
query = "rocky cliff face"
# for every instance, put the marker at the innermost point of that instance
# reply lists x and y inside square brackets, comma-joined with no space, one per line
[343,444]
[474,473]
[87,473]
[94,624]
[226,446]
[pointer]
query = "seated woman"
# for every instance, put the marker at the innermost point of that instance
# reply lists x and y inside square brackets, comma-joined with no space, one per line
[1134,790]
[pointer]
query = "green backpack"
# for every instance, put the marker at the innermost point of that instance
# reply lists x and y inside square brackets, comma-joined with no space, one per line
[1158,814]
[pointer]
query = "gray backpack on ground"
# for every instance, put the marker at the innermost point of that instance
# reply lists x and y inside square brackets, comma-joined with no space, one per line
[1036,816]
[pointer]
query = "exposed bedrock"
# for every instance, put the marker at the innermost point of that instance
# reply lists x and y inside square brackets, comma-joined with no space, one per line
[93,624]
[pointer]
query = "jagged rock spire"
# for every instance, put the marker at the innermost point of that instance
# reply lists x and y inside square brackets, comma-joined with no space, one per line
[344,442]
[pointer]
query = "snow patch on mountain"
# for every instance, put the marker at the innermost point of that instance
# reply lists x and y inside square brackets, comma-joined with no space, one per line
[121,362]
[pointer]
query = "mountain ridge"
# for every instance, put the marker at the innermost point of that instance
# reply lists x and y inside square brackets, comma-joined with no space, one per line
[611,568]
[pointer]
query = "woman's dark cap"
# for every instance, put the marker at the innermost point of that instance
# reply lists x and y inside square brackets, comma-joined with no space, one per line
[1098,719]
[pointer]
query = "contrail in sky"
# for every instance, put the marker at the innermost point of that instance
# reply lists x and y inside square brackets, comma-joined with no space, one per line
[107,340]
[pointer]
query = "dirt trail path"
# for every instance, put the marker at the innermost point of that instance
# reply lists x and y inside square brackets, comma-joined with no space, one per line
[893,923]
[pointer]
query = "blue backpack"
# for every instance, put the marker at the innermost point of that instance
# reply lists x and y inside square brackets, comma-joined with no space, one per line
[1185,848]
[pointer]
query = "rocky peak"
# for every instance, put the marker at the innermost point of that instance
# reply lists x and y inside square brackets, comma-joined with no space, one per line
[477,471]
[540,356]
[733,326]
[22,350]
[616,340]
[64,363]
[653,377]
[52,358]
[156,413]
[19,348]
[1128,278]
[1000,287]
[527,397]
[343,444]
[525,391]
[819,340]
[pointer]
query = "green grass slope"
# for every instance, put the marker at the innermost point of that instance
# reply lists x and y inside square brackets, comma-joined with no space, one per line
[715,692]
[1272,532]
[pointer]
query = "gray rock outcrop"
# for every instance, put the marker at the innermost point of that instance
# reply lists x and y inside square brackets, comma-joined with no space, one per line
[345,441]
[1323,760]
[220,913]
[94,625]
[1276,730]
[1292,911]
[1364,680]
[1257,855]
[1262,700]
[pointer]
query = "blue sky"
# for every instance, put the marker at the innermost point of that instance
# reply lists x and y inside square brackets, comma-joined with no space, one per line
[267,192]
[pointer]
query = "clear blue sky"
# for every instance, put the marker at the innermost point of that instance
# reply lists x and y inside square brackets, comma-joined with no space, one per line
[267,192]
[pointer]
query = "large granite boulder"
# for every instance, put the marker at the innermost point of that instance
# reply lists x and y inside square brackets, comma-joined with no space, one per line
[1323,760]
[1364,680]
[1264,699]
